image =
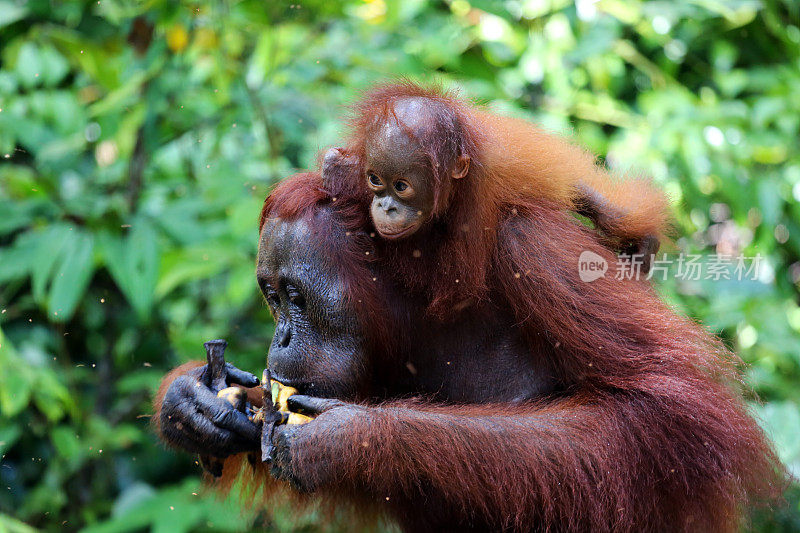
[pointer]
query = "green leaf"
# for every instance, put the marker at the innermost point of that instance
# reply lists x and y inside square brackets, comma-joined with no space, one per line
[51,244]
[12,525]
[133,263]
[120,97]
[495,7]
[769,201]
[71,278]
[17,261]
[132,497]
[15,385]
[8,436]
[54,66]
[10,12]
[15,214]
[67,443]
[782,423]
[15,392]
[29,65]
[190,264]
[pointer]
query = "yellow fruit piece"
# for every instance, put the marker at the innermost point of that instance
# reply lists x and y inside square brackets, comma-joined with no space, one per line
[297,418]
[280,395]
[233,395]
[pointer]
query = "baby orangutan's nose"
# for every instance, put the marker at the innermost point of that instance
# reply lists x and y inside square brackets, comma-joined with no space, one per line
[388,205]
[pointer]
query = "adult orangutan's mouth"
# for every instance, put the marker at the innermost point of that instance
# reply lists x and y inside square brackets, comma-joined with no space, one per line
[301,386]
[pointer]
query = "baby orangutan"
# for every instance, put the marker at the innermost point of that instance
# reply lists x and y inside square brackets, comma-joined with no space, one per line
[400,175]
[421,158]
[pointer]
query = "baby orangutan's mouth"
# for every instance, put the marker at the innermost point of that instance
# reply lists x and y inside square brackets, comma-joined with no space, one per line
[403,232]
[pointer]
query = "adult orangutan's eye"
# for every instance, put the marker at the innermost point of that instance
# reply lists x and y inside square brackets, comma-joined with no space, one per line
[374,180]
[273,300]
[296,297]
[270,294]
[400,185]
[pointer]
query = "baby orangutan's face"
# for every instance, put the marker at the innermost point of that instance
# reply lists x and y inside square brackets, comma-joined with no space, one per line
[401,181]
[400,174]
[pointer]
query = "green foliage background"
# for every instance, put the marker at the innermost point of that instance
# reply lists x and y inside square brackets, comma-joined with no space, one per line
[139,138]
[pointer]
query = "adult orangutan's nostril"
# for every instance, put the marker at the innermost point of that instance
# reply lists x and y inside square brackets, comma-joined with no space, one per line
[284,336]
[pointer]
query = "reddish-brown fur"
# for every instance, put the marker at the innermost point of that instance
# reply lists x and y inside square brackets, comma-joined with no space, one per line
[648,432]
[651,434]
[513,163]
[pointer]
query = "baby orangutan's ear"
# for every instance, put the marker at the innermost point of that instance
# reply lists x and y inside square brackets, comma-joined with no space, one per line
[461,168]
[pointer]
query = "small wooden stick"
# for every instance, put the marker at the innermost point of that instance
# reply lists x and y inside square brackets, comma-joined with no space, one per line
[270,415]
[215,354]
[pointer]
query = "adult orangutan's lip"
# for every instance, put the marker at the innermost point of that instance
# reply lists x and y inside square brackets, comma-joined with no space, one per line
[301,386]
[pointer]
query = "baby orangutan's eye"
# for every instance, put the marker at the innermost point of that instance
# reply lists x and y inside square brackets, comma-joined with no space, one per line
[400,185]
[374,180]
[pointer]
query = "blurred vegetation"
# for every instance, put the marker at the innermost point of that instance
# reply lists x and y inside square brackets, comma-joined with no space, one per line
[138,140]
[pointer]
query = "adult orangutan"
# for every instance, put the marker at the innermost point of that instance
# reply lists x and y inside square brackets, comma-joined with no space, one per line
[630,422]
